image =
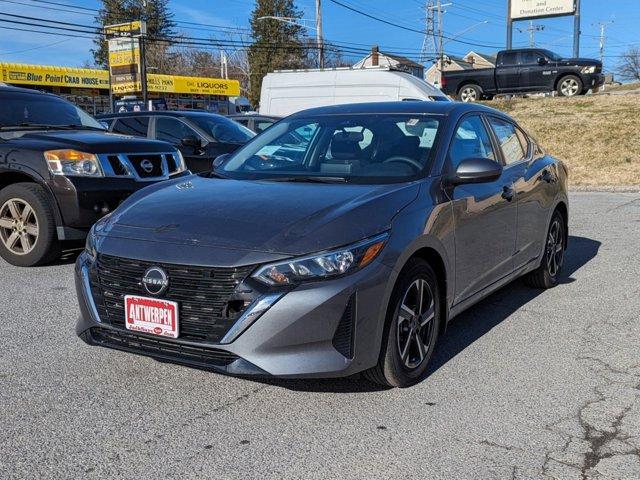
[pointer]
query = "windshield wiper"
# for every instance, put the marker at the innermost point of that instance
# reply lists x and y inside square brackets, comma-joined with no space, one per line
[214,174]
[308,179]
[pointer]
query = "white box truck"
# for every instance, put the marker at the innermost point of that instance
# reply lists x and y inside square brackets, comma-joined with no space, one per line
[288,91]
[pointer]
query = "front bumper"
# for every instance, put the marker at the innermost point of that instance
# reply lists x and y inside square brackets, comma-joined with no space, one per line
[324,329]
[592,81]
[83,201]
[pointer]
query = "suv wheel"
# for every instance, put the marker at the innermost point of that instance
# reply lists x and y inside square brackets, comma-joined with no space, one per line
[412,328]
[27,226]
[569,86]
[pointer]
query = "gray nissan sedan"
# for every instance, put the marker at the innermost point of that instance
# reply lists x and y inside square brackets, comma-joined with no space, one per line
[340,240]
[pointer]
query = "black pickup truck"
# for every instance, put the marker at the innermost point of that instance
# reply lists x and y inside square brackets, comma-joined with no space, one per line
[524,71]
[60,171]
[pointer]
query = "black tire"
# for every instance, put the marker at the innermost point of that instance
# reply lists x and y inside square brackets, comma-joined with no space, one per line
[470,93]
[569,86]
[393,369]
[547,274]
[44,245]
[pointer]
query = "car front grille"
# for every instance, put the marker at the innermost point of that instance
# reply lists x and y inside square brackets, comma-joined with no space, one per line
[202,294]
[159,347]
[147,166]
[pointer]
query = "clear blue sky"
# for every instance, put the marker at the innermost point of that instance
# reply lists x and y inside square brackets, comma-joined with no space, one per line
[340,25]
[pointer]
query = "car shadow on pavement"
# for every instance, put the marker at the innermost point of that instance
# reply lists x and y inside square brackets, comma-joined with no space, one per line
[466,328]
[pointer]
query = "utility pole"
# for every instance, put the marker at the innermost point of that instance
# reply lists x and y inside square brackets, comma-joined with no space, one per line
[319,39]
[603,25]
[576,31]
[440,44]
[143,57]
[532,29]
[509,26]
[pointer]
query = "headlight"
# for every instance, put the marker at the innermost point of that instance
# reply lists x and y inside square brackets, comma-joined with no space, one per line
[180,164]
[591,69]
[322,265]
[73,163]
[90,245]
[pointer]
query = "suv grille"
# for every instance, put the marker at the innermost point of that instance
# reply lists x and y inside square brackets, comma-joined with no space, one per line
[147,166]
[202,294]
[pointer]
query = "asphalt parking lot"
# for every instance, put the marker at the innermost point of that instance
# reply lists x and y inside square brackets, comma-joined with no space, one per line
[527,384]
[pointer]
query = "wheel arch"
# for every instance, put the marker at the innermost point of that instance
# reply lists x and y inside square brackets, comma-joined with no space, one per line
[562,76]
[562,207]
[11,177]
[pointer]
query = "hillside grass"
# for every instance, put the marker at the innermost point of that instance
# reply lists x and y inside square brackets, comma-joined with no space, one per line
[597,136]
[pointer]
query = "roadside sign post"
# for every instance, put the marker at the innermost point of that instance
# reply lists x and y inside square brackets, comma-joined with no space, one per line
[127,68]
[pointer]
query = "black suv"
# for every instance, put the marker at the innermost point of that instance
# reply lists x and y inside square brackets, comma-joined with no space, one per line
[199,135]
[60,171]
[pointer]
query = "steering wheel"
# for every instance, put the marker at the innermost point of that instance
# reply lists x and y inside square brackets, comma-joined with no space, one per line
[415,164]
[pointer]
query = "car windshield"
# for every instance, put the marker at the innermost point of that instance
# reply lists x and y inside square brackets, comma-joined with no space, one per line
[351,148]
[222,129]
[24,109]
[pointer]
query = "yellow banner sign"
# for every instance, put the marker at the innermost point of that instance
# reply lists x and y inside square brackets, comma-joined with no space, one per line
[20,74]
[126,29]
[192,85]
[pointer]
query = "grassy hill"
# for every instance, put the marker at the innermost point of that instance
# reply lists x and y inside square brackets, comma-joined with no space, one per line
[597,136]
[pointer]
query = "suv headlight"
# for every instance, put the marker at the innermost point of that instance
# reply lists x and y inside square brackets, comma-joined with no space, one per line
[590,69]
[73,163]
[324,265]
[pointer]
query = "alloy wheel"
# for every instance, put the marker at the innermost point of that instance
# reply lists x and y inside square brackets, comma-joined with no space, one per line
[569,87]
[468,94]
[416,319]
[18,226]
[555,248]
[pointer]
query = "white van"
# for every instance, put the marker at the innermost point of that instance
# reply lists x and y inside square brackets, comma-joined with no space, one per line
[288,91]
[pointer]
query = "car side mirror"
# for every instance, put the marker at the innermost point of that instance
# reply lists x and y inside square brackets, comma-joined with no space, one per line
[220,159]
[191,141]
[476,170]
[542,61]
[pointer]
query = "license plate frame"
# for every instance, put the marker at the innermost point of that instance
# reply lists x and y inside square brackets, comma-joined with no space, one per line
[154,316]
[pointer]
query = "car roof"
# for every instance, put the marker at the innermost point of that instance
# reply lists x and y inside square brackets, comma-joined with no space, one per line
[252,115]
[10,88]
[407,107]
[160,113]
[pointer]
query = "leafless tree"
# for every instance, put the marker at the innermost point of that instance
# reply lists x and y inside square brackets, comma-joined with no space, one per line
[629,68]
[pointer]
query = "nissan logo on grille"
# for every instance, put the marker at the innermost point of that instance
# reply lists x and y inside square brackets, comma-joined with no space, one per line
[155,280]
[146,165]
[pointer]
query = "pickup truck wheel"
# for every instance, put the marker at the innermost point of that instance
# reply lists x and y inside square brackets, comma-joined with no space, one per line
[569,86]
[470,93]
[27,226]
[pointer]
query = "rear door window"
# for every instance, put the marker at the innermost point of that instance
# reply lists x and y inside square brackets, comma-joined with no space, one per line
[512,141]
[137,126]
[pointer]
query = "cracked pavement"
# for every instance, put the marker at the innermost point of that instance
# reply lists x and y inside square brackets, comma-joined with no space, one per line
[527,384]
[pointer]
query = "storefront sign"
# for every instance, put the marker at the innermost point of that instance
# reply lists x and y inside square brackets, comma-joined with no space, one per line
[524,9]
[20,74]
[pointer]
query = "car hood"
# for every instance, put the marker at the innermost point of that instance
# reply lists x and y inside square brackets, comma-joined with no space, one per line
[273,217]
[89,141]
[583,62]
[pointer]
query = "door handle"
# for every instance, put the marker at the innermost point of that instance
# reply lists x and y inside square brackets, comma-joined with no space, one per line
[508,193]
[547,176]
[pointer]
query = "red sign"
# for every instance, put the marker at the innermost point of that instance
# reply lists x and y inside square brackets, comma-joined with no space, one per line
[151,315]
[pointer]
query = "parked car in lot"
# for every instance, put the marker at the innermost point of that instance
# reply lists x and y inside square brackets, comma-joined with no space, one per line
[255,123]
[524,71]
[60,171]
[200,136]
[340,240]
